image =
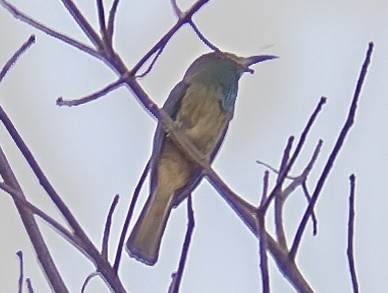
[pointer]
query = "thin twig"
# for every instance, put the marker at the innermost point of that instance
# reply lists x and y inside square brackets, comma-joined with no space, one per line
[279,198]
[299,180]
[161,43]
[100,262]
[21,271]
[108,225]
[177,276]
[333,155]
[43,28]
[299,146]
[273,169]
[38,171]
[32,229]
[149,68]
[350,249]
[283,165]
[87,280]
[73,239]
[16,55]
[313,216]
[202,37]
[104,91]
[263,240]
[101,17]
[177,10]
[30,288]
[18,197]
[265,187]
[306,130]
[83,23]
[280,179]
[111,21]
[128,217]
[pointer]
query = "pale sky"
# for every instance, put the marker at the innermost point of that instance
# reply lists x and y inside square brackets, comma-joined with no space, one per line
[94,151]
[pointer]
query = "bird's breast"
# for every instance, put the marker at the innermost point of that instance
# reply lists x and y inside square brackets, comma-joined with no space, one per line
[203,116]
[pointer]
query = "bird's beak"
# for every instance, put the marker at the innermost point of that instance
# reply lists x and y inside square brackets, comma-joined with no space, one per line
[246,62]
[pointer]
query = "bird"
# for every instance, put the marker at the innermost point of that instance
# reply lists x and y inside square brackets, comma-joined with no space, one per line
[201,106]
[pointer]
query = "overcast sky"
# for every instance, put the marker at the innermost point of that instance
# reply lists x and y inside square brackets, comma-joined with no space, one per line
[92,152]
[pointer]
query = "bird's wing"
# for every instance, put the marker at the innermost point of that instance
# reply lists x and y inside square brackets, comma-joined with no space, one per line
[171,106]
[196,176]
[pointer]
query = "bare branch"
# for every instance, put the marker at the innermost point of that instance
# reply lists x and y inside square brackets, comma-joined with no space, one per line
[33,231]
[30,21]
[104,91]
[29,286]
[157,54]
[313,216]
[177,276]
[279,198]
[252,217]
[83,24]
[177,10]
[87,280]
[100,262]
[108,225]
[21,271]
[101,17]
[111,21]
[350,252]
[18,197]
[162,42]
[38,171]
[274,170]
[129,216]
[306,130]
[333,155]
[202,37]
[16,55]
[299,180]
[263,240]
[279,181]
[265,187]
[298,149]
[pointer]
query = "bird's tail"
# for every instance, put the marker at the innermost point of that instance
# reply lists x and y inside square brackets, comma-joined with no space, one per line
[145,238]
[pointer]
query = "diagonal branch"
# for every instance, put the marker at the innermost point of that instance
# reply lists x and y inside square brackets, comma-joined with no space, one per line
[111,21]
[33,231]
[108,226]
[15,56]
[297,151]
[30,21]
[333,155]
[18,196]
[83,24]
[163,41]
[100,262]
[100,93]
[128,217]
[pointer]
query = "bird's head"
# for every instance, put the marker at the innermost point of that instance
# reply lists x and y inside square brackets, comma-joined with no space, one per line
[221,70]
[222,66]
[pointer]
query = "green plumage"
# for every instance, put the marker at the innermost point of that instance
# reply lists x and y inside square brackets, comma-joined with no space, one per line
[202,104]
